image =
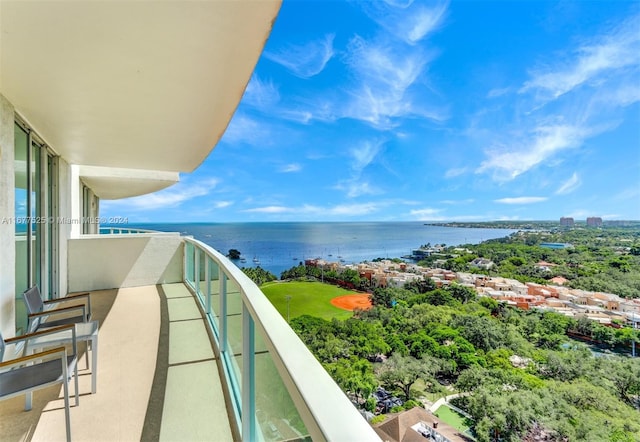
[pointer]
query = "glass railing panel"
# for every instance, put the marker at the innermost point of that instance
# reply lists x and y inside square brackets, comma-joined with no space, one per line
[201,259]
[277,416]
[214,296]
[234,322]
[280,364]
[189,263]
[232,356]
[111,230]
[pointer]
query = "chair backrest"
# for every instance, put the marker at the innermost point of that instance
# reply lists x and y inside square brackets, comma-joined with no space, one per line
[33,300]
[34,303]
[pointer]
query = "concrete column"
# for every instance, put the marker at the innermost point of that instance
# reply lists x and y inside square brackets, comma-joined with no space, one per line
[7,214]
[64,232]
[75,200]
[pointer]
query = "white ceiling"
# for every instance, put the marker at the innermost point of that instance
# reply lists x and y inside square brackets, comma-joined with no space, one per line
[131,84]
[111,183]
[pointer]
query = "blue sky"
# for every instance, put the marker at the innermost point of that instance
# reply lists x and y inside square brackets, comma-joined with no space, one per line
[408,111]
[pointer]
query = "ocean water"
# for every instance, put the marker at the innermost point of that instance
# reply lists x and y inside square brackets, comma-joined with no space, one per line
[282,245]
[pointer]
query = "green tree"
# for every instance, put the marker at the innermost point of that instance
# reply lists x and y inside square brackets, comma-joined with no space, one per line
[353,375]
[401,372]
[462,293]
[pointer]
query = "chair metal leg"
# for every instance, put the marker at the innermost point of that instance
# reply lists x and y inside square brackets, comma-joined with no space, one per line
[86,353]
[67,411]
[75,375]
[94,364]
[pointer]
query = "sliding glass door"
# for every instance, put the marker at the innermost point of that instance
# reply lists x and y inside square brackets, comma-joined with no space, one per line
[35,216]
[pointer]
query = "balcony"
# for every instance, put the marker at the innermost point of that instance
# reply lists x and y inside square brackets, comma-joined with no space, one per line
[190,349]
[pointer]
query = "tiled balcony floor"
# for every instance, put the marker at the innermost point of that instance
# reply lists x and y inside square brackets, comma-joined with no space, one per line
[157,377]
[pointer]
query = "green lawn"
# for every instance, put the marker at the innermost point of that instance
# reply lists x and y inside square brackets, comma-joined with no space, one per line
[454,419]
[307,298]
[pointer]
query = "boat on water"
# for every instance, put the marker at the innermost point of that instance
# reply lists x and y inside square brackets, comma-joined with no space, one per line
[256,260]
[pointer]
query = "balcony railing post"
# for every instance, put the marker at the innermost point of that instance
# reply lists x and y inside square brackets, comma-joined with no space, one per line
[196,270]
[248,377]
[185,266]
[223,312]
[207,275]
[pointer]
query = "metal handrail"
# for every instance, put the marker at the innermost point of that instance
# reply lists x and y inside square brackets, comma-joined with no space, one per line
[124,231]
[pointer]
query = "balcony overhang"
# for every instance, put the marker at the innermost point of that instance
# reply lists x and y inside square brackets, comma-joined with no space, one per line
[111,183]
[138,85]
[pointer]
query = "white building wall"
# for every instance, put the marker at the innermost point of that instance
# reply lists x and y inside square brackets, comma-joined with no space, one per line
[98,262]
[75,199]
[64,208]
[7,212]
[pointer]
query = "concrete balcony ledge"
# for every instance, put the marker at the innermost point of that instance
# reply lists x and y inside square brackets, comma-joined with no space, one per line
[98,262]
[157,377]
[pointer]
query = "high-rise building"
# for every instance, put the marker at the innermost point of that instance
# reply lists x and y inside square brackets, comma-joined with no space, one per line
[594,221]
[567,222]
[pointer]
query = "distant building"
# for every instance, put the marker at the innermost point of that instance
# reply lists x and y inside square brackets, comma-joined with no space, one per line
[421,253]
[417,425]
[482,263]
[594,221]
[567,222]
[558,280]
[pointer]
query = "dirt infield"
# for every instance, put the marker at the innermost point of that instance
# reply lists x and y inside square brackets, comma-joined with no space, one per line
[351,302]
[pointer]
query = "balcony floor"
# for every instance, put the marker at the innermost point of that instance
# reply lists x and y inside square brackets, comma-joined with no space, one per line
[157,377]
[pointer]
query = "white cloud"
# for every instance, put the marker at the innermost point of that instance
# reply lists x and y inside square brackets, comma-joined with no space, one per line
[425,214]
[522,200]
[384,73]
[579,214]
[408,21]
[260,94]
[222,204]
[570,185]
[306,60]
[509,161]
[356,187]
[498,92]
[599,76]
[458,202]
[364,154]
[307,209]
[171,197]
[293,167]
[591,62]
[298,115]
[623,93]
[246,130]
[354,209]
[270,209]
[455,172]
